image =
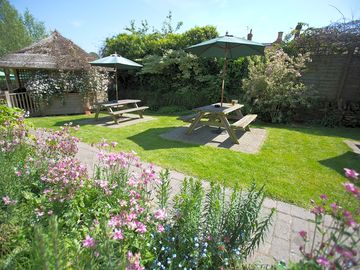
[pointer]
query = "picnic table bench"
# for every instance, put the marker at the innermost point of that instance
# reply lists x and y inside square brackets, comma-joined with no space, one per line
[117,108]
[214,115]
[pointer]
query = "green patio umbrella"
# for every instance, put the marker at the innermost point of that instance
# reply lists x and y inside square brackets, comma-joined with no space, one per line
[117,62]
[229,47]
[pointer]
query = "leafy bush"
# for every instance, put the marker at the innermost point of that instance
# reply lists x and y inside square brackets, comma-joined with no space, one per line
[211,233]
[89,83]
[274,89]
[54,215]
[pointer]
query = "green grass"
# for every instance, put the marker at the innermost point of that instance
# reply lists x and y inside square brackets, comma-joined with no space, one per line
[297,163]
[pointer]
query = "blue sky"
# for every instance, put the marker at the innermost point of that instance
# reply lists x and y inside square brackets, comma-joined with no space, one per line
[88,22]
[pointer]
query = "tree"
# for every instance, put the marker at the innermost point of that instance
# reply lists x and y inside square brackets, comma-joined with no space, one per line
[17,31]
[12,30]
[34,28]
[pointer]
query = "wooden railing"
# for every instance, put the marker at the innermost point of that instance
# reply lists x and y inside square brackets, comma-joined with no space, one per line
[23,101]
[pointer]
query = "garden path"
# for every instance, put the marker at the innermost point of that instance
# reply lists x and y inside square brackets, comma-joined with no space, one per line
[282,241]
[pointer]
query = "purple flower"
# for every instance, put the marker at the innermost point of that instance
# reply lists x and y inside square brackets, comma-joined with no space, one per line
[350,173]
[317,210]
[323,197]
[88,242]
[334,206]
[303,234]
[118,235]
[140,227]
[323,261]
[160,214]
[160,228]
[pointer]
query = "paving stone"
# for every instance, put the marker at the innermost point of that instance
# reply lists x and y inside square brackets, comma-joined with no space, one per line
[282,229]
[283,207]
[177,175]
[284,217]
[261,259]
[298,225]
[269,203]
[300,212]
[295,257]
[295,242]
[264,248]
[280,249]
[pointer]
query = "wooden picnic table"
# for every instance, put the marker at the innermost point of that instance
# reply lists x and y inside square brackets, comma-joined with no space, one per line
[118,107]
[214,115]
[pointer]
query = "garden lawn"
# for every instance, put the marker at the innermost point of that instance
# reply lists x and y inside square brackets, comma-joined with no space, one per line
[296,163]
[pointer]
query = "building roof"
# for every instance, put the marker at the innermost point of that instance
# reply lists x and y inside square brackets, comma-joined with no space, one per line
[53,52]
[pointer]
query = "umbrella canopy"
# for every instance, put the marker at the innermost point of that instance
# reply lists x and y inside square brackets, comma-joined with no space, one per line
[229,47]
[117,62]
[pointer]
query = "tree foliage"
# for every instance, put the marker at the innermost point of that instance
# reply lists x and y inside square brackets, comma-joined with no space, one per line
[274,88]
[16,30]
[170,76]
[336,38]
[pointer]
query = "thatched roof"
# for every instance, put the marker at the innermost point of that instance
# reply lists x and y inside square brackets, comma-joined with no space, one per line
[53,52]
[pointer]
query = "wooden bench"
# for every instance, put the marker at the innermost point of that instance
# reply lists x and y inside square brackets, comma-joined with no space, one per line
[244,122]
[118,113]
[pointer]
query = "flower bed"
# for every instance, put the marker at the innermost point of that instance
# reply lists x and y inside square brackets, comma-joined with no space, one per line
[57,216]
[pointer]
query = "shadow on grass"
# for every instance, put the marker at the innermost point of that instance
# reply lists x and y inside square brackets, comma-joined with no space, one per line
[150,140]
[348,133]
[346,160]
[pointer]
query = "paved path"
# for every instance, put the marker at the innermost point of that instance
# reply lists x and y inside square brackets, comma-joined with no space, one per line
[282,241]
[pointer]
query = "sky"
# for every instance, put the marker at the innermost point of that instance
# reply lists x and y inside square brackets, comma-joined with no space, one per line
[88,22]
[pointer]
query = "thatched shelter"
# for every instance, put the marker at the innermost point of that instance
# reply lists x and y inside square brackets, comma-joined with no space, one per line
[52,54]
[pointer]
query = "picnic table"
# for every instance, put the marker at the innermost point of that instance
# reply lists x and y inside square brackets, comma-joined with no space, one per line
[215,115]
[118,107]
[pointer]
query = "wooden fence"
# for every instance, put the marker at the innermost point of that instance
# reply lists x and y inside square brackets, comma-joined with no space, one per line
[23,101]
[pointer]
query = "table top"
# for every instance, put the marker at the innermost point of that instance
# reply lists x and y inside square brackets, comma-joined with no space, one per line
[225,109]
[119,102]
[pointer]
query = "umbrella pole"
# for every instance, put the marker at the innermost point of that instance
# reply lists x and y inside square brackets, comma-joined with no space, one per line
[116,79]
[223,82]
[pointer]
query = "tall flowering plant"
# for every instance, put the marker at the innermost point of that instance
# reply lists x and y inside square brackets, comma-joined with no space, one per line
[335,246]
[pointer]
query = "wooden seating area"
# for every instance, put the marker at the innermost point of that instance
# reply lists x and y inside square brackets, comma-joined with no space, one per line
[118,108]
[244,122]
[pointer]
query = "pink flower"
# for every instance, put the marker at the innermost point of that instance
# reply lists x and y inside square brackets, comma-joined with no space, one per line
[88,242]
[350,173]
[160,214]
[317,210]
[140,227]
[303,234]
[8,201]
[18,173]
[323,261]
[160,228]
[118,235]
[134,262]
[323,197]
[334,206]
[350,187]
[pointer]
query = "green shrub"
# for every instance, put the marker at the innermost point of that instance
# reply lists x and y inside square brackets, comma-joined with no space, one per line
[274,89]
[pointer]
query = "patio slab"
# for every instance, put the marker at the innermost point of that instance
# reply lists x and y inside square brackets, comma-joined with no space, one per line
[249,142]
[108,121]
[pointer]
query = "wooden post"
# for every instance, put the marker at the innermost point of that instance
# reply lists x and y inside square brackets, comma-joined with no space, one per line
[7,77]
[8,100]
